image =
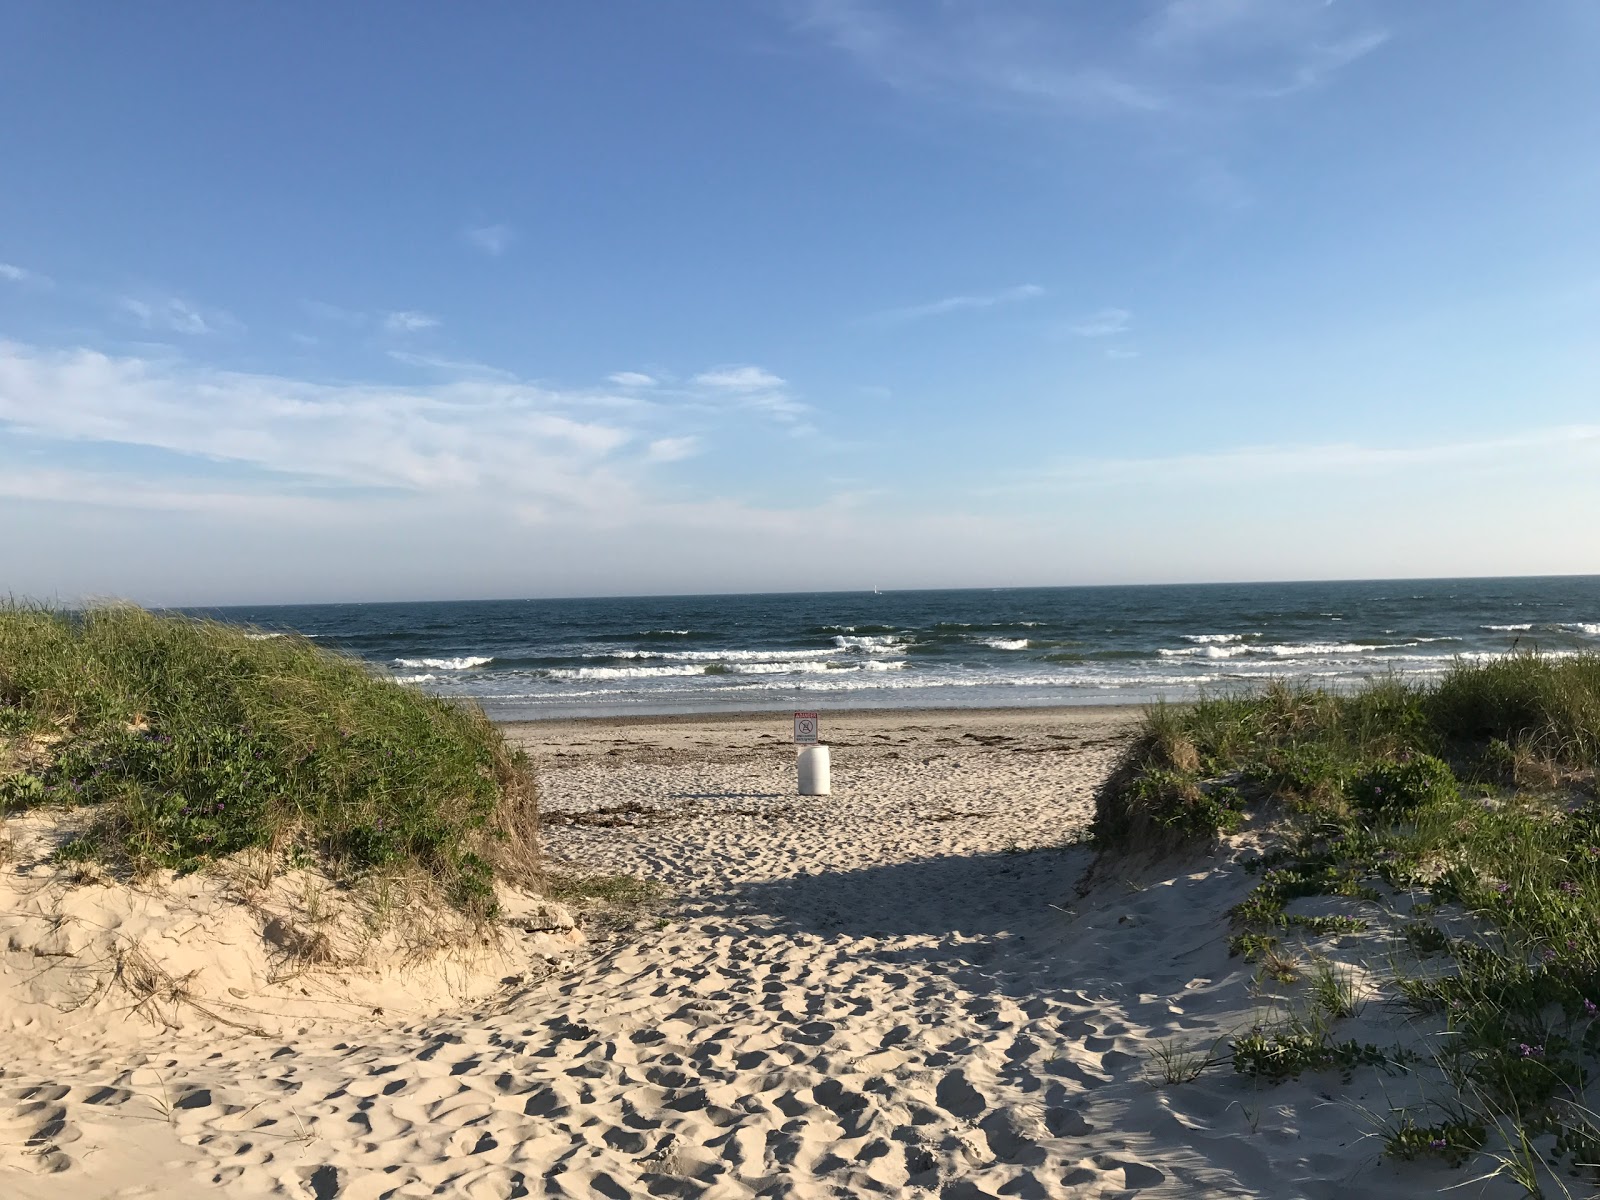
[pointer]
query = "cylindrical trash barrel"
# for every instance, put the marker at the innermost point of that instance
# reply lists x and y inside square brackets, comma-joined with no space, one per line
[814,777]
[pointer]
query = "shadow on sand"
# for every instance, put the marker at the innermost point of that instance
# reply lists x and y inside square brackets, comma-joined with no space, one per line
[982,895]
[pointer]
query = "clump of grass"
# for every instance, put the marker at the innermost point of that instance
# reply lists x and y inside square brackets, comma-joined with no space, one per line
[1335,992]
[192,740]
[1174,1063]
[1304,1043]
[1453,1141]
[621,891]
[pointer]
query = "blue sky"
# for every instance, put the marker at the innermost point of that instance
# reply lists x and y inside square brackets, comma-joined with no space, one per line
[305,302]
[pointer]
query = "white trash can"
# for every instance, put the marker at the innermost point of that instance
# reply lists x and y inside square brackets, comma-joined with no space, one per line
[813,765]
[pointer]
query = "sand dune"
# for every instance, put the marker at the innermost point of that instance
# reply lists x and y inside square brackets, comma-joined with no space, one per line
[891,991]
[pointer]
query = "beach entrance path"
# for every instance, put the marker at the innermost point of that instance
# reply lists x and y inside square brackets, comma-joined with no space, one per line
[891,991]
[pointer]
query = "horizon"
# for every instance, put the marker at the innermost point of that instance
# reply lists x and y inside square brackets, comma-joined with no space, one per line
[1021,587]
[552,302]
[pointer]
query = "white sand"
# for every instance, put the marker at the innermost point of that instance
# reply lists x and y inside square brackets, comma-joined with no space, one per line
[892,991]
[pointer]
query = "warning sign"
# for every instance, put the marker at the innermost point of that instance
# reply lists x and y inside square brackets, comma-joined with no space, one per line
[805,728]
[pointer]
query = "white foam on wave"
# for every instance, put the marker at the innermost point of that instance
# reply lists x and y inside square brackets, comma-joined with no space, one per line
[713,670]
[1006,643]
[262,637]
[1508,628]
[1216,639]
[738,656]
[624,672]
[713,656]
[1589,628]
[883,643]
[415,678]
[1298,650]
[445,664]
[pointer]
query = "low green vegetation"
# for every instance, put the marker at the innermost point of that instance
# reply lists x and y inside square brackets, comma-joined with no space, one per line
[184,741]
[1471,803]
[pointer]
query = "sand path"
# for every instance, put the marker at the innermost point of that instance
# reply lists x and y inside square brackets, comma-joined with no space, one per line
[887,991]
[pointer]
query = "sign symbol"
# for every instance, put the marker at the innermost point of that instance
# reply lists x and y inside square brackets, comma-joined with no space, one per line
[805,727]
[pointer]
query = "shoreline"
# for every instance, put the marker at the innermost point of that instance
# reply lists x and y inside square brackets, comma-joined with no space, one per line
[991,714]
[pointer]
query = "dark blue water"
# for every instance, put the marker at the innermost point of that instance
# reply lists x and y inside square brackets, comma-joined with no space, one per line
[1015,646]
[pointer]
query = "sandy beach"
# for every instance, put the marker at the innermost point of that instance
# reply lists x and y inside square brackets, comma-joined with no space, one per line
[892,990]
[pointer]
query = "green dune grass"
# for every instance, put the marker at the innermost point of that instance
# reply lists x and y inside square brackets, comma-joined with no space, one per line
[1472,799]
[184,741]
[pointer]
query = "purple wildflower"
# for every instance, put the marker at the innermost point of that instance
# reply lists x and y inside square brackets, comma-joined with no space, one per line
[1437,1144]
[1530,1051]
[1569,887]
[1591,1009]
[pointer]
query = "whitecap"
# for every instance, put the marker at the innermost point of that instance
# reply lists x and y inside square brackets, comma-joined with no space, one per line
[1508,628]
[445,664]
[1006,643]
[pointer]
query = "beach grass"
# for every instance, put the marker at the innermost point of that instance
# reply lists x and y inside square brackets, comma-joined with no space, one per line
[179,742]
[1470,806]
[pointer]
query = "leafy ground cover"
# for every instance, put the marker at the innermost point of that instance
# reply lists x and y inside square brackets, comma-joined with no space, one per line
[180,742]
[1474,798]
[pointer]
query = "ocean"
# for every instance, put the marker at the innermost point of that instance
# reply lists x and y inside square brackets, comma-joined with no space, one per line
[527,659]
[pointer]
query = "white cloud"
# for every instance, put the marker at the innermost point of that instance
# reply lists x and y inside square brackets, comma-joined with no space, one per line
[739,379]
[174,315]
[479,433]
[1107,322]
[491,239]
[671,449]
[409,322]
[478,436]
[950,304]
[632,379]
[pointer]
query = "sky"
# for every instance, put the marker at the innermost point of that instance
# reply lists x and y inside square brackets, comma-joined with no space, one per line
[309,302]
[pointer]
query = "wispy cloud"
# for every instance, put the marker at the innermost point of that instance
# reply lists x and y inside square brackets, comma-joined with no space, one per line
[449,366]
[753,388]
[1251,464]
[1092,61]
[1107,322]
[491,239]
[172,315]
[409,322]
[632,379]
[951,304]
[976,50]
[466,435]
[478,432]
[12,273]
